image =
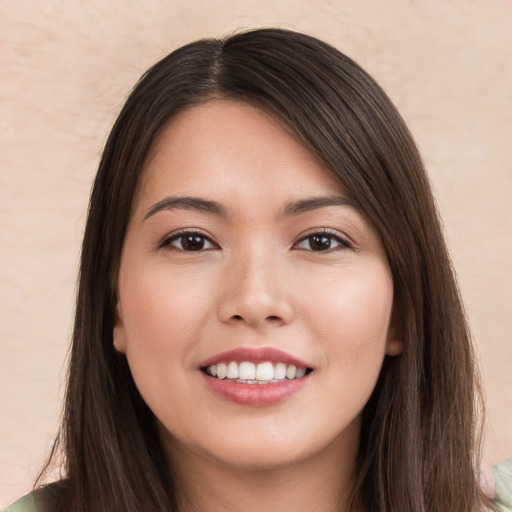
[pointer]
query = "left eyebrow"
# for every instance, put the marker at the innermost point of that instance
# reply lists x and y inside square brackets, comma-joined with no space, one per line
[314,203]
[187,203]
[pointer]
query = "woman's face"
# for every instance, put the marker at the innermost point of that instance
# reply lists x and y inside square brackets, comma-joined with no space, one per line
[254,297]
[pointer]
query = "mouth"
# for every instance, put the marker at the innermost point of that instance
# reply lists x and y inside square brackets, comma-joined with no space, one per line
[248,372]
[256,377]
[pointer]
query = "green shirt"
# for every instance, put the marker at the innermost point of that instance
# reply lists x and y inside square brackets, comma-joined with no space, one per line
[503,480]
[25,504]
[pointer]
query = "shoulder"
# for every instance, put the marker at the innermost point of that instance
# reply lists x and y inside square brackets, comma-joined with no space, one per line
[25,504]
[48,497]
[503,481]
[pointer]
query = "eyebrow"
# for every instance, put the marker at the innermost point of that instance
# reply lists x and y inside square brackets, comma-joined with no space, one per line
[315,203]
[187,203]
[203,205]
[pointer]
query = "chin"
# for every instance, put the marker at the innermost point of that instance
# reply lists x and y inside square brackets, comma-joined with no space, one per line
[261,458]
[271,442]
[267,451]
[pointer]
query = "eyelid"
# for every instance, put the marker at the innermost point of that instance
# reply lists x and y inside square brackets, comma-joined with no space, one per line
[344,241]
[170,237]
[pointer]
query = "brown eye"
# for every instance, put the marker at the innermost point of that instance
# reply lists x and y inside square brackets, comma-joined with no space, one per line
[322,242]
[190,242]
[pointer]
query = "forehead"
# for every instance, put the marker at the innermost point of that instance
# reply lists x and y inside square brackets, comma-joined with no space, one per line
[225,147]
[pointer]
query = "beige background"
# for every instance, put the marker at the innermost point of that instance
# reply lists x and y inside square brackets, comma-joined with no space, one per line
[66,67]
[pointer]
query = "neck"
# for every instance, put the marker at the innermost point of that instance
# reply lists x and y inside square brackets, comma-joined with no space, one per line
[322,483]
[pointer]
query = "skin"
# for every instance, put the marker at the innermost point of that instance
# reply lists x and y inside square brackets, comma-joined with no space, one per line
[256,282]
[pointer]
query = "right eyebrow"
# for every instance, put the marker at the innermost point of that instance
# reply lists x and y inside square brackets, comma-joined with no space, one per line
[187,203]
[314,203]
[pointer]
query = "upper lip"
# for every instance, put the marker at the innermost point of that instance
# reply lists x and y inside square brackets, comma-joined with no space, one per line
[254,355]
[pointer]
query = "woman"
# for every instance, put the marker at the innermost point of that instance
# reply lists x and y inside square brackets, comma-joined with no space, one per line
[267,315]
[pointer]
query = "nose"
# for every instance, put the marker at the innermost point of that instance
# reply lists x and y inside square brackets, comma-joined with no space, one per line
[255,294]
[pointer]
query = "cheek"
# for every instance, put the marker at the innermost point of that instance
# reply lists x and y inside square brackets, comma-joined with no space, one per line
[162,315]
[352,314]
[163,299]
[353,319]
[163,312]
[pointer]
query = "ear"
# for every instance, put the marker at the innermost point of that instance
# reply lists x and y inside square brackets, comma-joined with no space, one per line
[119,334]
[394,347]
[395,344]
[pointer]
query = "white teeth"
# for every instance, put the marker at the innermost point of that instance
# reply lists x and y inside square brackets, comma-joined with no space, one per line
[291,372]
[247,371]
[279,371]
[232,370]
[300,373]
[222,371]
[265,371]
[252,373]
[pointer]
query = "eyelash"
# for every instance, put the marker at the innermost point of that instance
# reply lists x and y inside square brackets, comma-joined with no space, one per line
[341,242]
[167,242]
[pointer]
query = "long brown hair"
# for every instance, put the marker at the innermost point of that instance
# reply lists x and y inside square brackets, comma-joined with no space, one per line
[419,436]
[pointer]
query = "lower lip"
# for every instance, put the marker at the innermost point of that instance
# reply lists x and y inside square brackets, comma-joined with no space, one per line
[255,395]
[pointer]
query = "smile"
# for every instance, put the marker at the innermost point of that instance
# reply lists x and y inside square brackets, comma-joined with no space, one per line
[247,372]
[255,377]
